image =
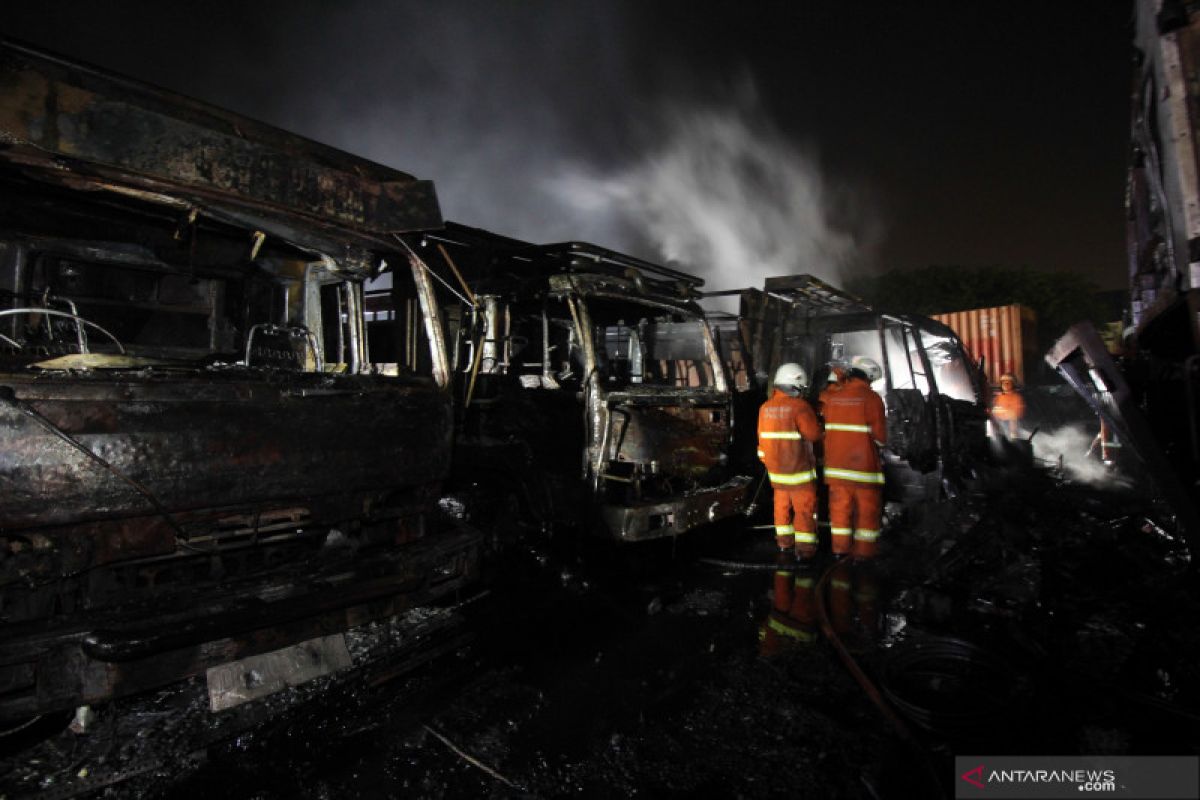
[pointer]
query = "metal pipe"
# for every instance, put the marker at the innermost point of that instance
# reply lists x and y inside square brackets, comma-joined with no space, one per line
[410,330]
[433,318]
[80,336]
[887,361]
[457,274]
[365,356]
[52,313]
[16,266]
[311,339]
[490,337]
[354,326]
[545,346]
[250,340]
[341,332]
[478,352]
[507,349]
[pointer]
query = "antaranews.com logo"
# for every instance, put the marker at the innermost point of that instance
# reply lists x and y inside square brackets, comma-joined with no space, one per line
[998,777]
[1085,780]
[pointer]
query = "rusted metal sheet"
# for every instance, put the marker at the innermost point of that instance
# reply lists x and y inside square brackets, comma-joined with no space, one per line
[238,682]
[1003,336]
[67,661]
[213,441]
[142,137]
[642,521]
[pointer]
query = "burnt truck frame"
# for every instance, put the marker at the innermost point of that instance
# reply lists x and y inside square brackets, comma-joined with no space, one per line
[933,391]
[586,381]
[201,458]
[1149,395]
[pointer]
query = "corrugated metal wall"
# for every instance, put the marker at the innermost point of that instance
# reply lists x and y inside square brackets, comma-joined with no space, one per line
[1004,336]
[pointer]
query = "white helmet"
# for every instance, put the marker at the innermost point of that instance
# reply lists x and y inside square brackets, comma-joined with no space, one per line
[793,375]
[867,366]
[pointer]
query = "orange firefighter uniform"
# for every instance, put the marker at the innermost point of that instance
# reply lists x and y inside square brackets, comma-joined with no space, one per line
[855,427]
[787,427]
[1008,407]
[793,618]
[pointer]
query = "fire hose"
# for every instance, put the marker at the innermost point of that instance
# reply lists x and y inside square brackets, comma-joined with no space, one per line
[864,682]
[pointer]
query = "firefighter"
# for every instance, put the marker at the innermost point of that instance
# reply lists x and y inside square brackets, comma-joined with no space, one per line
[1008,406]
[855,429]
[787,428]
[1107,444]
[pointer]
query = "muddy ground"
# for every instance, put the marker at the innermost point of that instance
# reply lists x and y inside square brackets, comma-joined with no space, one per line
[1029,616]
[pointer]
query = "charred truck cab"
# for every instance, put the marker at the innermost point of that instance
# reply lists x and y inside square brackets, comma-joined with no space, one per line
[933,392]
[202,460]
[588,378]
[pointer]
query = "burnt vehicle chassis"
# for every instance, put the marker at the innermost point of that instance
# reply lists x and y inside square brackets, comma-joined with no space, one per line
[586,381]
[1149,394]
[201,459]
[933,392]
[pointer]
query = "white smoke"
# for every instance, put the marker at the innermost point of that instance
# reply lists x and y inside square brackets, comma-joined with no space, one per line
[1069,446]
[722,193]
[523,131]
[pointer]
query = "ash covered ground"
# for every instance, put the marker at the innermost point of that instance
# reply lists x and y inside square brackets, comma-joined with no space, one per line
[1028,616]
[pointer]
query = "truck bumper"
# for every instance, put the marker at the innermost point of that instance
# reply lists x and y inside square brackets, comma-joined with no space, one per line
[656,519]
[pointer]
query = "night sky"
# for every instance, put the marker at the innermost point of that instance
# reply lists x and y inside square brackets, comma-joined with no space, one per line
[738,140]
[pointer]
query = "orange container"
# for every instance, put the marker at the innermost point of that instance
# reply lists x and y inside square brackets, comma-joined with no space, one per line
[1004,336]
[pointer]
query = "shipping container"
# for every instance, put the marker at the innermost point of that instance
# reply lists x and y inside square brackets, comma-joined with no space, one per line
[1003,336]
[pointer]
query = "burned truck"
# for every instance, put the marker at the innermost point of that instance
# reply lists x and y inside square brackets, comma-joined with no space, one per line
[933,392]
[202,460]
[587,382]
[1148,395]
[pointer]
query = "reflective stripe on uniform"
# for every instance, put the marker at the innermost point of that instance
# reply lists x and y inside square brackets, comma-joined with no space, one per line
[761,454]
[866,535]
[854,475]
[804,583]
[780,435]
[784,530]
[780,628]
[807,538]
[840,584]
[841,531]
[845,426]
[793,478]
